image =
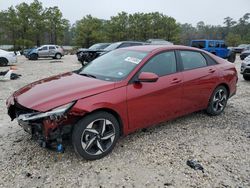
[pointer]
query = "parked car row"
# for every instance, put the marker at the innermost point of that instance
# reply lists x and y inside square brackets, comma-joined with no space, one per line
[87,55]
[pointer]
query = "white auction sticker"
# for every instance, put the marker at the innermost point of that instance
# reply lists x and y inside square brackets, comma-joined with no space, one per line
[133,60]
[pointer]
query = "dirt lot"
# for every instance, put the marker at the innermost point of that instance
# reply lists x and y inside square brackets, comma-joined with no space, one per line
[155,157]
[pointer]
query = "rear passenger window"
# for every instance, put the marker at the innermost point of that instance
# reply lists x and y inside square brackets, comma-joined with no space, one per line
[211,44]
[210,60]
[192,60]
[161,64]
[52,48]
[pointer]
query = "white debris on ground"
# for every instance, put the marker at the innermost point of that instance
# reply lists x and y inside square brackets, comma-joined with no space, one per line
[156,157]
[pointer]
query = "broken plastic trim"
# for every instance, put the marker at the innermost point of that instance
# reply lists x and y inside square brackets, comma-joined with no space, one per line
[54,112]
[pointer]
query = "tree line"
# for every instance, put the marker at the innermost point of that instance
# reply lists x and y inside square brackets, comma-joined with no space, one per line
[27,25]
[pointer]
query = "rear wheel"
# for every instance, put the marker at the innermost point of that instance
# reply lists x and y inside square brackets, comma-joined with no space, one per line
[58,56]
[218,101]
[246,77]
[231,57]
[95,135]
[3,61]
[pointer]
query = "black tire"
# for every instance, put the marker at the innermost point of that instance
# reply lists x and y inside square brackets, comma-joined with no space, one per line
[246,77]
[217,101]
[232,57]
[58,56]
[90,140]
[33,57]
[3,61]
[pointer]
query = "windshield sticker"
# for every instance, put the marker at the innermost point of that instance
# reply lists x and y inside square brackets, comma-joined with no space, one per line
[133,60]
[120,73]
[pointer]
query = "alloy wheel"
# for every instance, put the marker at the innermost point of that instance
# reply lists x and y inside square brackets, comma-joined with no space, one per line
[98,137]
[219,100]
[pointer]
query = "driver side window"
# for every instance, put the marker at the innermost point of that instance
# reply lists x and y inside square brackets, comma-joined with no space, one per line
[161,64]
[43,48]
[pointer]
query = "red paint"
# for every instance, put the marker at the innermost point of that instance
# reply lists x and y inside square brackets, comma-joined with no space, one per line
[138,104]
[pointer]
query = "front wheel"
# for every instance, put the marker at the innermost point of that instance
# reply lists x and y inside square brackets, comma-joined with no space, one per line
[33,57]
[246,77]
[218,101]
[95,135]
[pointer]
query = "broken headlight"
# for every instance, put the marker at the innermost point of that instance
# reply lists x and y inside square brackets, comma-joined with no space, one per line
[59,111]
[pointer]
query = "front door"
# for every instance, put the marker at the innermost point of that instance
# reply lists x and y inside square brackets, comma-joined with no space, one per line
[151,103]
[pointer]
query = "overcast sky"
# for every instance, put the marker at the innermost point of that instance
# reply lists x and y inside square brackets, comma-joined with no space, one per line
[184,11]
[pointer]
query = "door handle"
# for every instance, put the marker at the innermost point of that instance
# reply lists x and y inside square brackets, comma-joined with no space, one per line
[176,80]
[211,70]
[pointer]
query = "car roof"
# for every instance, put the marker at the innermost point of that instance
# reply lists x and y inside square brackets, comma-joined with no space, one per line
[129,42]
[208,40]
[152,48]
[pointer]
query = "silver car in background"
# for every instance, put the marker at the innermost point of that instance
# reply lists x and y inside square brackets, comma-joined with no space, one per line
[54,51]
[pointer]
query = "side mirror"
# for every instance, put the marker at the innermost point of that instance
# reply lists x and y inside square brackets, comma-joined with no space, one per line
[148,77]
[40,49]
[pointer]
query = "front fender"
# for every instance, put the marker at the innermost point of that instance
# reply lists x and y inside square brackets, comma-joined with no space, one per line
[113,100]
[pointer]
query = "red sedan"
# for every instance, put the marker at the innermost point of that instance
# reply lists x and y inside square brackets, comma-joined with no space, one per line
[120,92]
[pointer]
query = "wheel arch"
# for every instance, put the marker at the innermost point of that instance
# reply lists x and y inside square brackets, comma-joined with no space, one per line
[226,86]
[114,113]
[58,53]
[4,58]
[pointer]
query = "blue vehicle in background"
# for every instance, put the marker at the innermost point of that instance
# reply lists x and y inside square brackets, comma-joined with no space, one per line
[216,47]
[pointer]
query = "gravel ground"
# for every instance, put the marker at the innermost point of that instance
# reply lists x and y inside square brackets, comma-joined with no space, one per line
[155,157]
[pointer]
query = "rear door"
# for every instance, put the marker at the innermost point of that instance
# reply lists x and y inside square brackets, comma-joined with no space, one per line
[52,51]
[43,51]
[224,50]
[199,78]
[151,103]
[221,49]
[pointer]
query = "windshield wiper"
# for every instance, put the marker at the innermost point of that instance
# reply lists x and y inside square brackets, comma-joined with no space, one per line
[88,75]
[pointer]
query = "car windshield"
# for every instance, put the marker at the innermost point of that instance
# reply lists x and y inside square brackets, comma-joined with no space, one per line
[242,45]
[113,66]
[112,46]
[99,46]
[95,47]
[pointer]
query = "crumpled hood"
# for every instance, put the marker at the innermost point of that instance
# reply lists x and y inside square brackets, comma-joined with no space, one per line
[55,91]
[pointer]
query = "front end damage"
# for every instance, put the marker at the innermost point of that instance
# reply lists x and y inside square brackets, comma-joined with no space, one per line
[48,127]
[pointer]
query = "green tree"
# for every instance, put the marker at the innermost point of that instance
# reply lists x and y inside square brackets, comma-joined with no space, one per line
[88,31]
[233,39]
[55,24]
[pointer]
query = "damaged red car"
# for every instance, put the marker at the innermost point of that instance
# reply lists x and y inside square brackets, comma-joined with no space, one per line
[120,92]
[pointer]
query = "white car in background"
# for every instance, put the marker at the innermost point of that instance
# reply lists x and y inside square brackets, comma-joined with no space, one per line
[245,68]
[7,57]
